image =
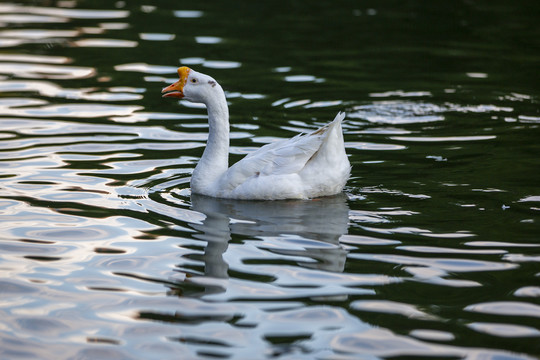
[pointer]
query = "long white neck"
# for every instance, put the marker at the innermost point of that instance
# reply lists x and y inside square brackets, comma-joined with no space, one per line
[215,159]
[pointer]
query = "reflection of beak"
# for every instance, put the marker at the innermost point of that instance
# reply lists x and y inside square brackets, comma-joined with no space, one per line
[177,89]
[174,90]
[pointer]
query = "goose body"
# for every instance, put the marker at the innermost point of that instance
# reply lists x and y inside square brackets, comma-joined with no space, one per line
[305,166]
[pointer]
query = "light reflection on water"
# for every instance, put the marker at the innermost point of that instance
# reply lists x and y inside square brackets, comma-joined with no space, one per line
[105,253]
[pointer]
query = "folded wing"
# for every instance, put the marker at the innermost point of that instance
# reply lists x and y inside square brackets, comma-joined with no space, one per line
[283,157]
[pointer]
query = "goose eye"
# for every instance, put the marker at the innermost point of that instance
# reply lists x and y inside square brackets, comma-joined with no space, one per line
[193,81]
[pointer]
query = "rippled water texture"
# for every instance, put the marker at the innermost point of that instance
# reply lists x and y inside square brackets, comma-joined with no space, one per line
[433,250]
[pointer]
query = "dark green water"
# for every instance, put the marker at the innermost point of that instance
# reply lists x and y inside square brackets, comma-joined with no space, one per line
[433,250]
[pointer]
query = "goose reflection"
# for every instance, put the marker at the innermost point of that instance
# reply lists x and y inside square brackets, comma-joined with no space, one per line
[312,227]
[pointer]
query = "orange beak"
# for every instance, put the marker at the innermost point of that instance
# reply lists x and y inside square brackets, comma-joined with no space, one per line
[177,89]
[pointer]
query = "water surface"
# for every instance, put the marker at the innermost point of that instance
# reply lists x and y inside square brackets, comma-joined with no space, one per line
[432,251]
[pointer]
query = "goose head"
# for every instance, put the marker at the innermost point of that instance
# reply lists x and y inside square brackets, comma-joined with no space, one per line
[192,86]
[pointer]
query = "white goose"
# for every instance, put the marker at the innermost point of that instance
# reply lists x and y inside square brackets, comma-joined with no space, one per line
[306,166]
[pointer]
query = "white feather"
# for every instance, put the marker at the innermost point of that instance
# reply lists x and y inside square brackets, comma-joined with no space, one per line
[305,166]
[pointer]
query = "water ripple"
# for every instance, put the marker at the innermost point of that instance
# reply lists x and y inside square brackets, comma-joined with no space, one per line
[40,71]
[383,343]
[105,253]
[38,34]
[410,112]
[105,43]
[508,308]
[81,110]
[505,330]
[445,264]
[391,307]
[188,13]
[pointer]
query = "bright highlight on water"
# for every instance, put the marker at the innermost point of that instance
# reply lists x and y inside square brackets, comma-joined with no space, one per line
[429,249]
